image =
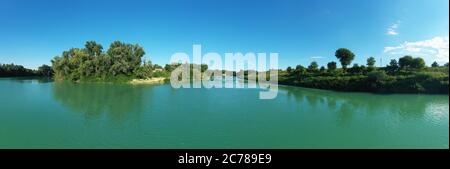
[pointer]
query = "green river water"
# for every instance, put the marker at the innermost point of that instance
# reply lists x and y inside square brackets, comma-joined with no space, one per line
[44,114]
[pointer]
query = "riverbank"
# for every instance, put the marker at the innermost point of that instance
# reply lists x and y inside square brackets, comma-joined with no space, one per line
[413,82]
[156,80]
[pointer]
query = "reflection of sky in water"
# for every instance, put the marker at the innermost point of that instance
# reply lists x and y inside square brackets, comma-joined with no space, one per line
[437,111]
[227,82]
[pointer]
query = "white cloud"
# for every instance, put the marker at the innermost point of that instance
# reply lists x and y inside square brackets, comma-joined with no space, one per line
[435,48]
[392,30]
[317,57]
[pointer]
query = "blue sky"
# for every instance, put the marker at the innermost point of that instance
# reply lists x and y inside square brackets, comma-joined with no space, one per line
[33,32]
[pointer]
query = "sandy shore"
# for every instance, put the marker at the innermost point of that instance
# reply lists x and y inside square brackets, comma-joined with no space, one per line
[156,80]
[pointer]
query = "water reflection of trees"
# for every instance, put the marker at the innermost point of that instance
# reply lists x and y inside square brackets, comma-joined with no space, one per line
[116,102]
[31,79]
[345,104]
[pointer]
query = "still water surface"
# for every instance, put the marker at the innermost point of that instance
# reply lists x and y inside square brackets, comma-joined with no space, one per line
[44,114]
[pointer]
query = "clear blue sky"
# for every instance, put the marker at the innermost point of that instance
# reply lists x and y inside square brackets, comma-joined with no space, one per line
[33,32]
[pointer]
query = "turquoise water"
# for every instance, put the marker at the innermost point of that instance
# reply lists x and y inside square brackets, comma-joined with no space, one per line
[44,114]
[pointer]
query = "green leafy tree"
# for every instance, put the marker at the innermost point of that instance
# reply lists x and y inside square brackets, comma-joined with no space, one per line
[45,70]
[405,61]
[299,68]
[156,66]
[203,67]
[345,56]
[418,63]
[435,64]
[171,67]
[93,49]
[289,69]
[313,67]
[300,71]
[371,62]
[322,69]
[126,57]
[145,71]
[91,62]
[331,66]
[393,66]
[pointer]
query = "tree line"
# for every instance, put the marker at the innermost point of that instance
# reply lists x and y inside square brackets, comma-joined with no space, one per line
[92,63]
[121,62]
[407,75]
[12,70]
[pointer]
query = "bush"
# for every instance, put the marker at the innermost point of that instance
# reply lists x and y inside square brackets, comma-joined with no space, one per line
[377,76]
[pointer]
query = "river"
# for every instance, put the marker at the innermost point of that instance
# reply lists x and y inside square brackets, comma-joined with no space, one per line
[36,113]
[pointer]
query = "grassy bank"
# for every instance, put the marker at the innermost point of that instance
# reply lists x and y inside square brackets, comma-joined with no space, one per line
[407,75]
[429,80]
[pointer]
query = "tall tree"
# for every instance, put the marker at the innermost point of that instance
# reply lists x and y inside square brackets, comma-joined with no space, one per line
[345,56]
[371,62]
[299,71]
[126,57]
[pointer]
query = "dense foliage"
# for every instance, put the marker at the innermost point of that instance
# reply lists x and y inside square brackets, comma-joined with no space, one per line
[12,70]
[120,63]
[408,75]
[123,62]
[9,70]
[345,56]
